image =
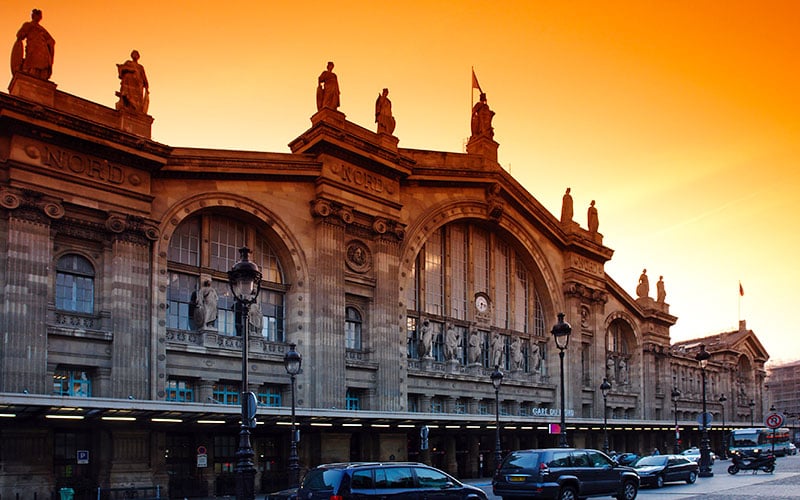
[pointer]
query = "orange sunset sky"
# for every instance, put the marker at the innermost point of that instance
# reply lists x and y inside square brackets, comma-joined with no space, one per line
[680,118]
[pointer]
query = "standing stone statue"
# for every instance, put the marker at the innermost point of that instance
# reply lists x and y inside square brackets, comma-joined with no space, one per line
[425,340]
[497,350]
[255,318]
[481,122]
[134,90]
[37,58]
[594,222]
[205,312]
[475,348]
[661,294]
[566,207]
[536,357]
[611,372]
[328,89]
[643,288]
[516,353]
[451,339]
[383,113]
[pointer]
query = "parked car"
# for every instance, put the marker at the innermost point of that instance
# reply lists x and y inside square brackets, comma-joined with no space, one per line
[656,470]
[290,494]
[563,474]
[792,449]
[380,480]
[693,453]
[625,458]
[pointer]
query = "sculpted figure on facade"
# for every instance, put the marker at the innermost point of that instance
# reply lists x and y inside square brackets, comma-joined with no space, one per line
[536,357]
[643,288]
[36,58]
[328,89]
[611,372]
[475,348]
[255,318]
[623,372]
[481,123]
[451,339]
[661,294]
[425,339]
[593,221]
[205,305]
[497,350]
[134,90]
[516,354]
[383,113]
[566,207]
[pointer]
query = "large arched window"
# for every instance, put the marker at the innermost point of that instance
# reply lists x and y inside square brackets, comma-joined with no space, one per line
[206,247]
[457,263]
[74,284]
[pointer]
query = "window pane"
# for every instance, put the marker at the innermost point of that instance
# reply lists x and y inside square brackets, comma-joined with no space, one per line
[184,246]
[434,274]
[458,271]
[74,284]
[226,238]
[179,300]
[480,256]
[267,261]
[352,329]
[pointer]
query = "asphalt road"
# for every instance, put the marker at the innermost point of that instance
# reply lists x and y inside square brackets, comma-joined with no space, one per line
[783,484]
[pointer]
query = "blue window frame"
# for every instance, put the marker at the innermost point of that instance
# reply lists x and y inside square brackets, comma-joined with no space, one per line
[227,394]
[352,400]
[180,390]
[269,395]
[72,382]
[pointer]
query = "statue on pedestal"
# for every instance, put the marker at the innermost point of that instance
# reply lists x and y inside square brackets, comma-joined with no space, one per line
[134,90]
[37,58]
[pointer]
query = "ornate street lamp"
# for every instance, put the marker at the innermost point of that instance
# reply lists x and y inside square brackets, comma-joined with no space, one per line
[604,388]
[752,406]
[497,379]
[705,454]
[292,361]
[561,332]
[722,400]
[675,395]
[244,280]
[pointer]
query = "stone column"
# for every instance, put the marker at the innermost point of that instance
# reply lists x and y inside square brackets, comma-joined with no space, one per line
[324,366]
[383,334]
[27,268]
[451,464]
[130,315]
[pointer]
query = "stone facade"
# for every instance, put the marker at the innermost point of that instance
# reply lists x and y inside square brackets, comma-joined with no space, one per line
[403,276]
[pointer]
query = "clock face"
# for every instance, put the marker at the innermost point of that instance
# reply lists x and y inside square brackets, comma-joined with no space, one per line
[481,304]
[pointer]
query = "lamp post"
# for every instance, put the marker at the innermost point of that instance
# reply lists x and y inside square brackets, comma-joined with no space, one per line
[292,361]
[604,388]
[244,280]
[722,400]
[561,332]
[497,379]
[705,454]
[771,411]
[752,406]
[675,395]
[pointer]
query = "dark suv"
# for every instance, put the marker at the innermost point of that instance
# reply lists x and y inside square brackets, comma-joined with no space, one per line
[376,480]
[563,474]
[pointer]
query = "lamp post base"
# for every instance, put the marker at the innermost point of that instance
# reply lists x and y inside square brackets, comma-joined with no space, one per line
[245,470]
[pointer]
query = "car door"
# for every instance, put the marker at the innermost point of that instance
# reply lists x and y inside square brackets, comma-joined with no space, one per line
[606,476]
[394,483]
[589,476]
[433,484]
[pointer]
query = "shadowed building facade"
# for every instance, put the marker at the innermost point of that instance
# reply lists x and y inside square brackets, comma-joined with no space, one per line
[403,276]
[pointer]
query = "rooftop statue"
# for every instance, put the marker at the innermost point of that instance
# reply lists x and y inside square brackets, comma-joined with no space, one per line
[134,90]
[661,294]
[37,60]
[643,288]
[328,89]
[383,113]
[594,222]
[481,122]
[566,207]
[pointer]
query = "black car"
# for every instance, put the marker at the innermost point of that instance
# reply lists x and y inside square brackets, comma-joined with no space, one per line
[563,474]
[659,469]
[626,458]
[381,480]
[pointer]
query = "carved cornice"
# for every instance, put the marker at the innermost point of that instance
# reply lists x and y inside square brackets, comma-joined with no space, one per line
[585,293]
[31,204]
[495,204]
[337,213]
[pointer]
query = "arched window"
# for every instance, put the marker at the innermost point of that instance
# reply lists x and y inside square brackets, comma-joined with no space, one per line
[352,329]
[206,247]
[74,284]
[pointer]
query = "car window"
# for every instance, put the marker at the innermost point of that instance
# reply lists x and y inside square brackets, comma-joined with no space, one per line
[580,459]
[320,479]
[521,461]
[429,478]
[560,459]
[394,477]
[598,459]
[362,479]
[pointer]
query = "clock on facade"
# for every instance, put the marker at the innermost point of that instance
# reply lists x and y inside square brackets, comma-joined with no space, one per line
[481,303]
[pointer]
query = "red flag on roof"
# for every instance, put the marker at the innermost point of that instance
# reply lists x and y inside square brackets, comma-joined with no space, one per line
[475,84]
[741,290]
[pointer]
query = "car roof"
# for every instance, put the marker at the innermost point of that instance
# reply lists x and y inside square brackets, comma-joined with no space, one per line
[352,465]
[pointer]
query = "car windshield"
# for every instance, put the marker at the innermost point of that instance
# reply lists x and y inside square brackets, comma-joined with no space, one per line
[649,461]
